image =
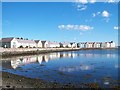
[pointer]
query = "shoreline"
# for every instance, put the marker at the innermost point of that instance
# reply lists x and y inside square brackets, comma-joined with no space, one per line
[21,52]
[17,81]
[12,81]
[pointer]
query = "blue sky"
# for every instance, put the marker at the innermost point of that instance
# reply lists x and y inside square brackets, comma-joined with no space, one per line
[61,21]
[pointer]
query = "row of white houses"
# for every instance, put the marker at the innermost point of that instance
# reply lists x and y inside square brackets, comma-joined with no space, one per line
[25,43]
[97,44]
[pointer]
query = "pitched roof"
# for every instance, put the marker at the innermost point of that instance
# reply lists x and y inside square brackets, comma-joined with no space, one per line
[43,42]
[36,41]
[25,41]
[49,42]
[7,39]
[65,43]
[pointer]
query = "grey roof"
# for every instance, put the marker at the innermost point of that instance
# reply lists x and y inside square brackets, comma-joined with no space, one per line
[49,42]
[19,40]
[25,41]
[36,41]
[7,39]
[43,41]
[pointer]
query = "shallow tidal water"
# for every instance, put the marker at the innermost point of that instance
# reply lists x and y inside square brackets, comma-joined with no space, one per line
[75,67]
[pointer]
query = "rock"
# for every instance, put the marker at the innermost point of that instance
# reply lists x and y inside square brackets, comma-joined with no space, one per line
[8,86]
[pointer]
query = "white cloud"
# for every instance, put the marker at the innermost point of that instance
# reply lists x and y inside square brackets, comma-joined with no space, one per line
[92,1]
[110,1]
[116,27]
[105,14]
[82,1]
[61,26]
[81,7]
[96,14]
[93,14]
[75,27]
[82,4]
[85,1]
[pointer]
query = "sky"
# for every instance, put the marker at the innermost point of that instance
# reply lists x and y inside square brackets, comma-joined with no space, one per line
[78,21]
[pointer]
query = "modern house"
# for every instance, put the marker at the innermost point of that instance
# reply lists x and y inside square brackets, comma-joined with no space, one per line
[17,43]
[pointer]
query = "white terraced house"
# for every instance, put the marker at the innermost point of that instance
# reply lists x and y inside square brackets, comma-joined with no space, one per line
[25,43]
[17,43]
[68,44]
[53,44]
[97,44]
[39,43]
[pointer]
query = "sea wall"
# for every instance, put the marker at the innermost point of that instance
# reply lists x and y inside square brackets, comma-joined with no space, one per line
[9,52]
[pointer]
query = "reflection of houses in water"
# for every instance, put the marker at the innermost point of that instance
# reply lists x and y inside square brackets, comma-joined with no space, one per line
[22,61]
[88,55]
[16,63]
[74,55]
[64,54]
[54,56]
[45,58]
[39,59]
[111,55]
[76,68]
[28,59]
[68,55]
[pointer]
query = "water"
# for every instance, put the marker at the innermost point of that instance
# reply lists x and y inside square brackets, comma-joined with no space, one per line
[85,66]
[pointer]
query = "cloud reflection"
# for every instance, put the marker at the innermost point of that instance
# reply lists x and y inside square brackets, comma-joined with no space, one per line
[76,68]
